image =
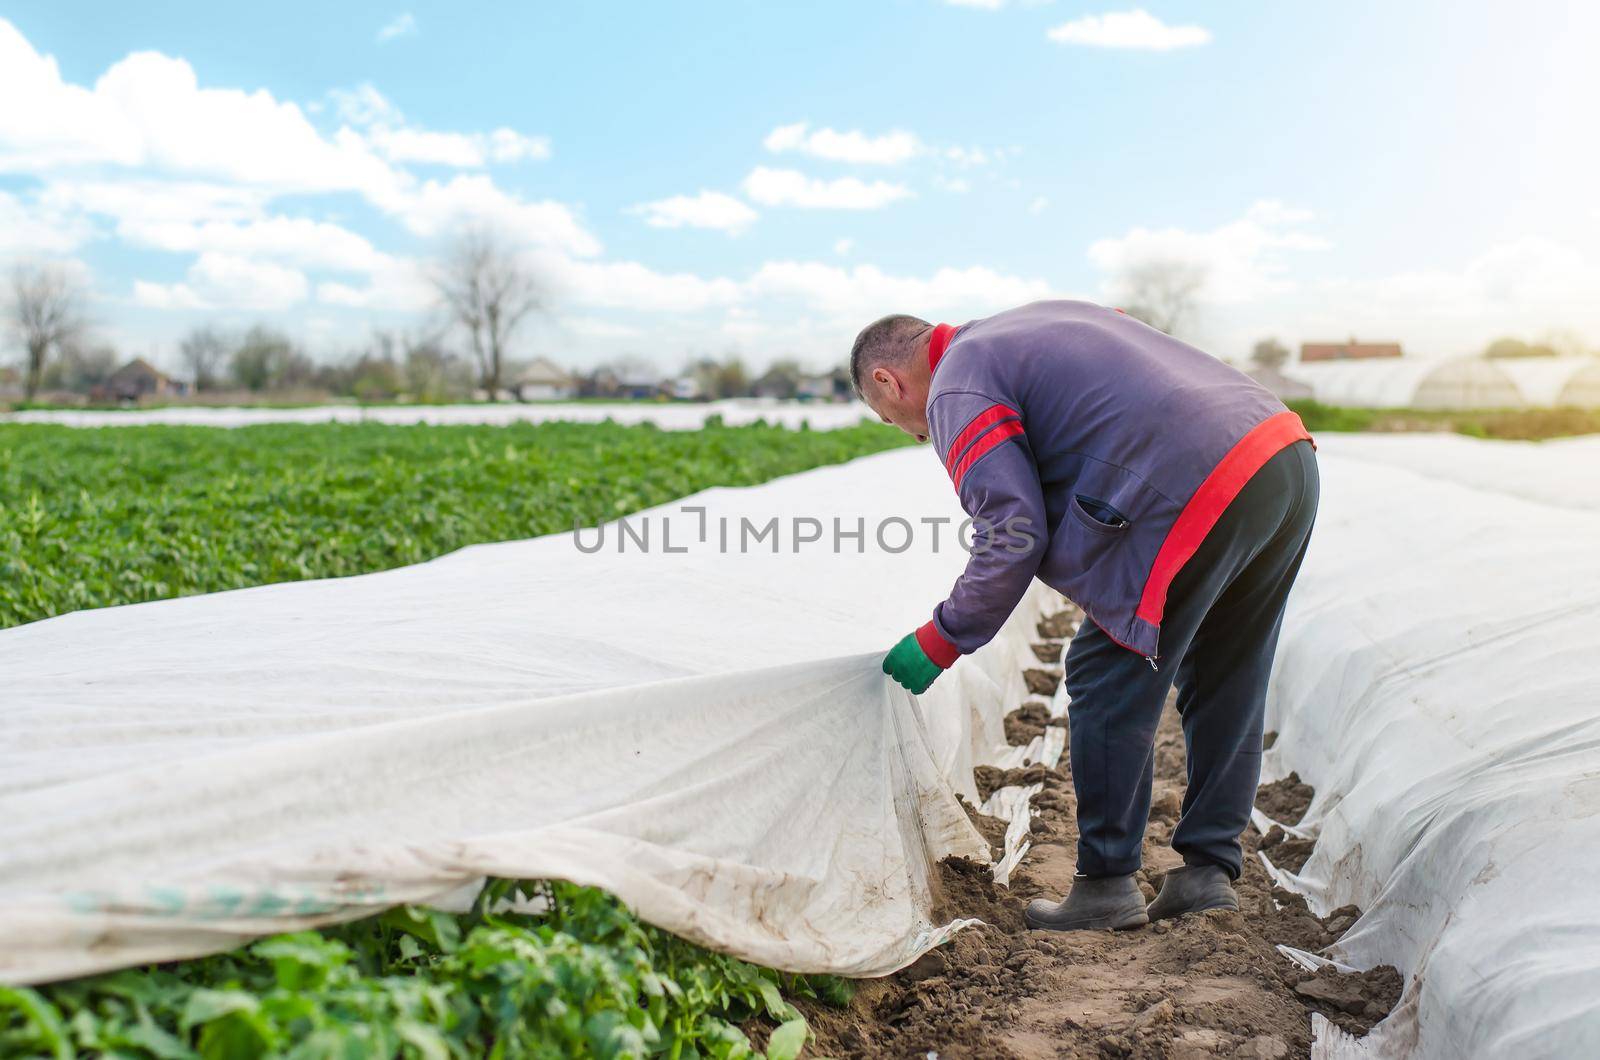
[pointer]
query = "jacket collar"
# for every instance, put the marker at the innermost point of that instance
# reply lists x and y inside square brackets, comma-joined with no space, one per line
[937,343]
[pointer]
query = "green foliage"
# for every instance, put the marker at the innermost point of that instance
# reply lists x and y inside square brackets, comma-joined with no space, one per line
[90,518]
[1319,417]
[1524,424]
[1509,347]
[582,978]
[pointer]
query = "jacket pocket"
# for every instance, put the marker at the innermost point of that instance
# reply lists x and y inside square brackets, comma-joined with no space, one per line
[1097,516]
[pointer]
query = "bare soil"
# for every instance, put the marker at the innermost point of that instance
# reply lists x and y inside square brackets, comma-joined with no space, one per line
[1207,985]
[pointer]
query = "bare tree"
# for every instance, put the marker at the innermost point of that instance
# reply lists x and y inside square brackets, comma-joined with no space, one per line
[79,366]
[47,309]
[267,359]
[489,292]
[431,373]
[1269,353]
[203,350]
[1162,292]
[781,380]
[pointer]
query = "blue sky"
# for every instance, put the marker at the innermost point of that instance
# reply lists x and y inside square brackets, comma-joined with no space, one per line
[704,178]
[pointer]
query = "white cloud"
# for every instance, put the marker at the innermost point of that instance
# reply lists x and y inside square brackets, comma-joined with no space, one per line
[854,146]
[508,145]
[294,240]
[225,281]
[191,169]
[27,230]
[365,105]
[154,201]
[632,286]
[166,296]
[147,154]
[402,25]
[857,147]
[836,293]
[709,209]
[1532,287]
[397,284]
[592,328]
[462,150]
[421,145]
[864,291]
[954,185]
[195,218]
[438,208]
[1242,260]
[969,156]
[1039,204]
[1136,29]
[1257,282]
[986,5]
[385,128]
[1534,281]
[148,111]
[63,124]
[787,187]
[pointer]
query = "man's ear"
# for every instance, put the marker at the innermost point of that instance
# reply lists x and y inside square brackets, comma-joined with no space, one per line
[887,382]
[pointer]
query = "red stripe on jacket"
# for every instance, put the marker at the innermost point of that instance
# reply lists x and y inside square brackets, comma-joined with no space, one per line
[937,343]
[980,423]
[1224,482]
[939,651]
[981,448]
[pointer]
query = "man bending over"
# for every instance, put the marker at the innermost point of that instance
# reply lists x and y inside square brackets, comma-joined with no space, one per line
[1168,495]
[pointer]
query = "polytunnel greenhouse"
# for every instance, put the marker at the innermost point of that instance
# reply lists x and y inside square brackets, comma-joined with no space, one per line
[1453,383]
[1415,383]
[1583,387]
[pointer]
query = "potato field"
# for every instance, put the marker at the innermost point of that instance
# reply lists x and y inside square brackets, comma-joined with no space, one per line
[94,518]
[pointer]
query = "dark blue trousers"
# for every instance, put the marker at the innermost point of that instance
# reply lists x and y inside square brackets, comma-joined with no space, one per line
[1220,628]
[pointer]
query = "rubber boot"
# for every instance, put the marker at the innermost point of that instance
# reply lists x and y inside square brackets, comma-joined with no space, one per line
[1096,903]
[1193,889]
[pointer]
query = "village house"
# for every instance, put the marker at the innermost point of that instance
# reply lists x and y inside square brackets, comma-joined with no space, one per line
[829,386]
[683,388]
[543,380]
[1347,351]
[135,381]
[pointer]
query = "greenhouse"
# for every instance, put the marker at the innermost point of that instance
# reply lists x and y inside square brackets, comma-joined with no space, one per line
[1453,383]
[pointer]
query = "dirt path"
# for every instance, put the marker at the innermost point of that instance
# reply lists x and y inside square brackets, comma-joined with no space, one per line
[1209,985]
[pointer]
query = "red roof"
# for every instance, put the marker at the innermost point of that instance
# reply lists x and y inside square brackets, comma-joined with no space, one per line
[1346,351]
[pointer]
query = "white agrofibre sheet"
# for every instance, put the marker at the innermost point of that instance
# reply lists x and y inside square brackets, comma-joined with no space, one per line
[669,416]
[707,735]
[1564,472]
[1438,683]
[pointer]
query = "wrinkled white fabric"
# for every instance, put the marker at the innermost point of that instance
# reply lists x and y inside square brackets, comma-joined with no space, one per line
[707,735]
[1438,683]
[1564,472]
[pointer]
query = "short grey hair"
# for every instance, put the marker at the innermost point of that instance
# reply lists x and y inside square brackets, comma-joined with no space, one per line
[887,340]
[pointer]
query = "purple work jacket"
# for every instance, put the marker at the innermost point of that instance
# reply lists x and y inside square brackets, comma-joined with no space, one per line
[1092,452]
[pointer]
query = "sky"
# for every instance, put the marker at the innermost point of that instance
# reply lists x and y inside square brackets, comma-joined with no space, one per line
[695,179]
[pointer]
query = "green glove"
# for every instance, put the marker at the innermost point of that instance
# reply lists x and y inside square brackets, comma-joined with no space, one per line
[910,665]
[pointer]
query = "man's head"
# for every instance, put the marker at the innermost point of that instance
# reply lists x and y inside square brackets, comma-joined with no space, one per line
[889,367]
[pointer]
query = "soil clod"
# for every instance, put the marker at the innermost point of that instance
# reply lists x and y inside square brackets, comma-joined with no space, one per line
[1042,682]
[1058,625]
[1285,800]
[1205,985]
[1026,722]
